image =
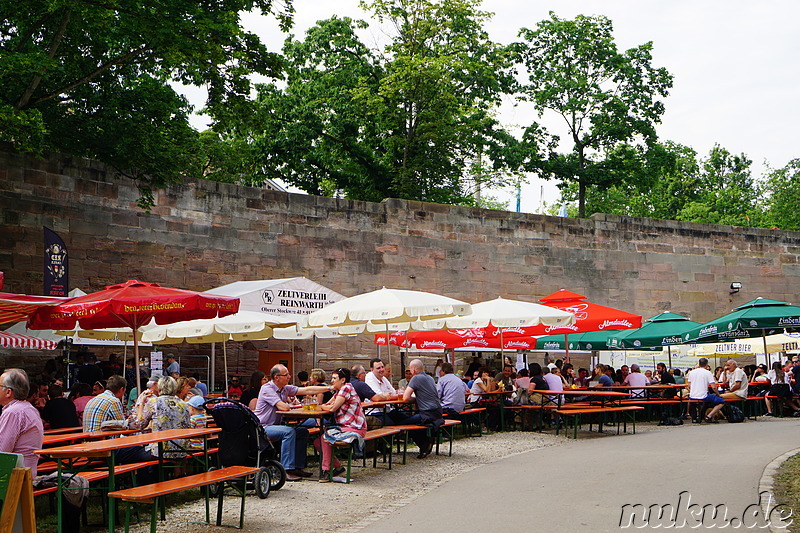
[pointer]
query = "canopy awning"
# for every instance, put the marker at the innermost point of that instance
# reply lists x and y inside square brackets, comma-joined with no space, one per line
[15,340]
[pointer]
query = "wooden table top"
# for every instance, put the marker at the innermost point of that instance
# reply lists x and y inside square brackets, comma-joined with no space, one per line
[103,448]
[58,438]
[75,429]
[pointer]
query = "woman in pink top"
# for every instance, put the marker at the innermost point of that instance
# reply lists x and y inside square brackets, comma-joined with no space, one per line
[346,408]
[80,395]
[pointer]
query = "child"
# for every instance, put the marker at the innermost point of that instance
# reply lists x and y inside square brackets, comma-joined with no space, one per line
[197,419]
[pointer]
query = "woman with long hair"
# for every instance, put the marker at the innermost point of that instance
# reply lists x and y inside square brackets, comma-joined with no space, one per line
[250,396]
[780,388]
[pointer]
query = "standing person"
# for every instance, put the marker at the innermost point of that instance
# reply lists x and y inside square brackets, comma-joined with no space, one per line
[173,367]
[423,388]
[347,411]
[451,391]
[21,429]
[272,399]
[700,379]
[437,371]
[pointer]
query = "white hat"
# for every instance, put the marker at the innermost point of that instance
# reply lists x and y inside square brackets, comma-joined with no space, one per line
[551,366]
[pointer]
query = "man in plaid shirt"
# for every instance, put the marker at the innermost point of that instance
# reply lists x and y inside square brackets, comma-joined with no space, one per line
[108,406]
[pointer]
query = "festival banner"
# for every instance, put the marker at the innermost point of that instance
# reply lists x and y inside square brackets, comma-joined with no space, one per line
[56,265]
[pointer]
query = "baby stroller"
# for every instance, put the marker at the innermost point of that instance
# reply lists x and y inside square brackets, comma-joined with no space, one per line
[243,442]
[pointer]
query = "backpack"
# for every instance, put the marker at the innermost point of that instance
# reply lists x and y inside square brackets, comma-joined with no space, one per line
[670,421]
[734,414]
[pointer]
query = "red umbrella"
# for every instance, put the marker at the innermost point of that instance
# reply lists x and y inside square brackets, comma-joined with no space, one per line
[488,337]
[18,307]
[588,316]
[132,304]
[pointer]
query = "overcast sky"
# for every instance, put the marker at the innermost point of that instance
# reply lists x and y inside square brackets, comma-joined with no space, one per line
[735,74]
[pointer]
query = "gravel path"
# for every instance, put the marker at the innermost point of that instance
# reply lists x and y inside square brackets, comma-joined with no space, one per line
[312,506]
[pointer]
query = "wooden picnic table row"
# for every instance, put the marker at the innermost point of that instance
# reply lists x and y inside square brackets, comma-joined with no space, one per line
[65,457]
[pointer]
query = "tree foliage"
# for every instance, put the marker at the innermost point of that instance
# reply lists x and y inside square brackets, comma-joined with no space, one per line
[414,120]
[604,97]
[781,194]
[92,78]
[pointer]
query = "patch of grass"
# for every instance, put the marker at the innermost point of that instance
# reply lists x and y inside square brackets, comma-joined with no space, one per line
[787,489]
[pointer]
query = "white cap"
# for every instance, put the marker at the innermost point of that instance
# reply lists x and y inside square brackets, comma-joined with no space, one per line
[551,366]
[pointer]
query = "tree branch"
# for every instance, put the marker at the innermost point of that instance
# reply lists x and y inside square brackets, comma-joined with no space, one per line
[62,27]
[102,68]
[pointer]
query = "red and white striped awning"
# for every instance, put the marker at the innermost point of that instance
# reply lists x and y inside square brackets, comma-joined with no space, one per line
[15,340]
[17,307]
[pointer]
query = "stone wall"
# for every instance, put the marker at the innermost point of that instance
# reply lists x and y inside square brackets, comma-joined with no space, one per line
[204,234]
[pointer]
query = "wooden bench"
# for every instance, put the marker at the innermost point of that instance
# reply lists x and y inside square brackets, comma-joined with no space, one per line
[151,493]
[471,418]
[446,428]
[529,407]
[602,411]
[385,435]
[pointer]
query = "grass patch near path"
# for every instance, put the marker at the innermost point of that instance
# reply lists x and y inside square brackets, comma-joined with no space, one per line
[787,489]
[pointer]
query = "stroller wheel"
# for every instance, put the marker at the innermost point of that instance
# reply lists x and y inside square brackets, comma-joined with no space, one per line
[262,483]
[213,490]
[277,475]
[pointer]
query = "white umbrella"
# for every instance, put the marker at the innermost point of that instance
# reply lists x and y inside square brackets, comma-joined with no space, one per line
[241,326]
[382,309]
[502,313]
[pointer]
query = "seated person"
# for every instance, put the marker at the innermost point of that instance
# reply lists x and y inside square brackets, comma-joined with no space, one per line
[197,419]
[347,411]
[235,389]
[601,377]
[451,391]
[665,378]
[780,388]
[272,399]
[59,412]
[734,380]
[700,379]
[636,379]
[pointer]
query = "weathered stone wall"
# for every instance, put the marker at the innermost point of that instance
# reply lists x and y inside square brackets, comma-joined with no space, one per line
[204,234]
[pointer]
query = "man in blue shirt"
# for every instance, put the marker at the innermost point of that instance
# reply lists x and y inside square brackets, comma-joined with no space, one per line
[452,391]
[173,367]
[423,388]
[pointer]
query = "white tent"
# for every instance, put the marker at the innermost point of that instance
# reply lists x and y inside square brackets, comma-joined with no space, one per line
[288,296]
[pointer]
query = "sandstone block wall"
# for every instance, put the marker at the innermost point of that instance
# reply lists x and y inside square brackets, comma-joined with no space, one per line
[203,234]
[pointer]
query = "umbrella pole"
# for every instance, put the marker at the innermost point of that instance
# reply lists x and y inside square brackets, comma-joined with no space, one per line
[225,360]
[213,366]
[566,347]
[314,355]
[764,338]
[669,356]
[136,359]
[502,356]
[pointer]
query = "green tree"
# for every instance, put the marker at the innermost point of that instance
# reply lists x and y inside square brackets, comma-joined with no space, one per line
[415,120]
[92,78]
[782,197]
[605,98]
[726,192]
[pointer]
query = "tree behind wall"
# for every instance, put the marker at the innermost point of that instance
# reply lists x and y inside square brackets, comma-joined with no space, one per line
[604,98]
[92,79]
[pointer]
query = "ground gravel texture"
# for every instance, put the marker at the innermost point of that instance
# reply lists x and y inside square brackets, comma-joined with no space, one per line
[312,506]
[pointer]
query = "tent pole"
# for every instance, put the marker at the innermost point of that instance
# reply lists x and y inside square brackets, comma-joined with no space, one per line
[669,356]
[566,347]
[764,338]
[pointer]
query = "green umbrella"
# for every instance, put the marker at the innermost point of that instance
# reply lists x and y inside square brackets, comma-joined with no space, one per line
[591,340]
[664,329]
[760,317]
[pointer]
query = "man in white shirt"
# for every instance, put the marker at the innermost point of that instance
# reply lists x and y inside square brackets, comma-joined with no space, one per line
[735,380]
[384,390]
[636,379]
[700,379]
